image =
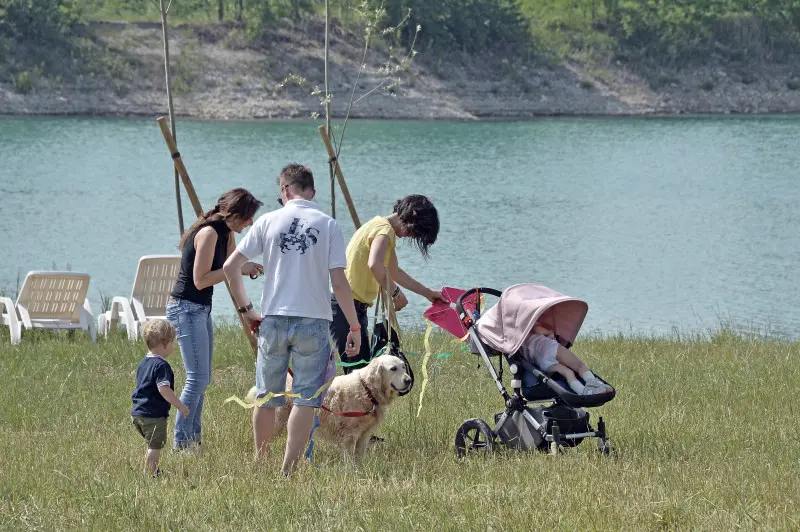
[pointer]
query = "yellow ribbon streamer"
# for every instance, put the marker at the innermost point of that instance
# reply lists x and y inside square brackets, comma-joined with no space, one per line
[266,398]
[428,351]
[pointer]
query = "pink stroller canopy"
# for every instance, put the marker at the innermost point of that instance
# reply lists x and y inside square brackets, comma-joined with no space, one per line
[506,325]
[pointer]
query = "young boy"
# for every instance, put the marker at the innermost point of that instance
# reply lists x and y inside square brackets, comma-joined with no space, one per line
[550,356]
[154,392]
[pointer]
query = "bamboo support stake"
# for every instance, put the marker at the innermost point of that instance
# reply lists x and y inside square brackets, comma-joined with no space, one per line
[171,107]
[187,183]
[328,107]
[176,157]
[339,176]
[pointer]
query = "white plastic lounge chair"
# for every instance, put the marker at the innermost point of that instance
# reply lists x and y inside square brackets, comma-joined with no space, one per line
[49,300]
[155,278]
[10,318]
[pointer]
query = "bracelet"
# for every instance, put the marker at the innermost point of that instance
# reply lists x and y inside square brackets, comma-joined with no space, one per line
[355,329]
[242,310]
[396,292]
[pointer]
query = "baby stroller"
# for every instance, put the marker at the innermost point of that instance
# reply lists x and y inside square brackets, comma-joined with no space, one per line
[561,422]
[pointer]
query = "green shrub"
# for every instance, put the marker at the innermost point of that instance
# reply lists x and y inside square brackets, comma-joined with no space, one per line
[467,26]
[25,81]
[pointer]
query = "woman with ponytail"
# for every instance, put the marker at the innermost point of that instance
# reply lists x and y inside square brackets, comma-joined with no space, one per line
[204,248]
[371,252]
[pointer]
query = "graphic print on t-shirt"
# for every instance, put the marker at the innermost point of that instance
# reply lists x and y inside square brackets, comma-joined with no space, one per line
[298,237]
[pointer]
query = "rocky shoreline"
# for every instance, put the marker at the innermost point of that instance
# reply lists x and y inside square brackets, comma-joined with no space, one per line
[217,76]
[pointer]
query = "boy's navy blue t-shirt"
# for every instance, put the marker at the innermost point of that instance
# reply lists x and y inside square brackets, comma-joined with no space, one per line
[147,400]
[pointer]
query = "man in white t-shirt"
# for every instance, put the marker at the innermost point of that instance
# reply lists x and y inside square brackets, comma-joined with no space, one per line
[301,248]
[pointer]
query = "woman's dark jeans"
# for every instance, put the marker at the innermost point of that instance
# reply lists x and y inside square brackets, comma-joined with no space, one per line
[340,329]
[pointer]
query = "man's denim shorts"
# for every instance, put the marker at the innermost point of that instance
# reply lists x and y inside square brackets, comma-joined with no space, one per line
[307,340]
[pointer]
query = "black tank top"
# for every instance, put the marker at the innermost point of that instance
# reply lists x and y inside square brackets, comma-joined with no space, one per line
[184,286]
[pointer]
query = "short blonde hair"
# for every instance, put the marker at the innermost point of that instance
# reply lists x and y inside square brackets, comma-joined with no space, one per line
[158,332]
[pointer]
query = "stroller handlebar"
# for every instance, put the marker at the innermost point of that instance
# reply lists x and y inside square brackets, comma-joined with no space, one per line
[460,302]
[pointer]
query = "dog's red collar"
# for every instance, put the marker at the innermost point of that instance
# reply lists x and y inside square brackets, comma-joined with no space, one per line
[356,414]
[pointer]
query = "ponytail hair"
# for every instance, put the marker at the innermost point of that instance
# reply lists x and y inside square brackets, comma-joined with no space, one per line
[235,203]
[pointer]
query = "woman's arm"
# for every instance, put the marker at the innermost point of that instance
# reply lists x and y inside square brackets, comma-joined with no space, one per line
[380,245]
[253,269]
[406,281]
[205,241]
[377,251]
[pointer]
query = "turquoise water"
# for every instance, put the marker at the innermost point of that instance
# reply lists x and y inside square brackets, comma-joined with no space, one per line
[660,224]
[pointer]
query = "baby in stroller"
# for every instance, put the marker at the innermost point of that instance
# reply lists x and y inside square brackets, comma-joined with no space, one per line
[531,328]
[550,354]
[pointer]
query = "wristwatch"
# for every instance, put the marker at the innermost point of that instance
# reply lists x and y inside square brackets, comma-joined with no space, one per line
[242,310]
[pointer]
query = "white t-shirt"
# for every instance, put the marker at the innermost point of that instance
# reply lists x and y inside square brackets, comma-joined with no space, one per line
[300,244]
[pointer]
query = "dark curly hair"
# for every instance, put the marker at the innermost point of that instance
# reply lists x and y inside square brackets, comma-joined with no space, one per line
[420,220]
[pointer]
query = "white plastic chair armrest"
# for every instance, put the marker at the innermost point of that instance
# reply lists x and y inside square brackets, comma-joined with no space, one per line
[10,307]
[87,320]
[139,309]
[127,311]
[14,324]
[25,316]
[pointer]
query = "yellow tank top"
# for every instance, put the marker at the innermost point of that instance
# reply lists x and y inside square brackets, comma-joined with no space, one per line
[362,281]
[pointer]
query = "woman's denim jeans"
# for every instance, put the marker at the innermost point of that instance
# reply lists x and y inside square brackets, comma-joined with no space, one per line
[196,340]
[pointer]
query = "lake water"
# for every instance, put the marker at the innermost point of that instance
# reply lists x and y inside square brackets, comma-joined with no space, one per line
[660,224]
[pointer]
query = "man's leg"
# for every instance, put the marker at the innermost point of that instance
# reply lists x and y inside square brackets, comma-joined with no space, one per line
[310,354]
[263,425]
[272,365]
[301,421]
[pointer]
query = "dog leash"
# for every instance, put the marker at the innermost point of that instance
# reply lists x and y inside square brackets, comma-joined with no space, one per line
[310,448]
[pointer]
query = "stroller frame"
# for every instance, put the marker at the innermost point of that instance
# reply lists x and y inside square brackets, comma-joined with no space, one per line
[517,426]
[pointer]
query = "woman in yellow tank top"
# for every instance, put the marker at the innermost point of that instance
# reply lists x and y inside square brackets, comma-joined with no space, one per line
[371,252]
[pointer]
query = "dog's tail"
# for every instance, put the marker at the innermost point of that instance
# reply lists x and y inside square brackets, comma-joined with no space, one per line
[251,395]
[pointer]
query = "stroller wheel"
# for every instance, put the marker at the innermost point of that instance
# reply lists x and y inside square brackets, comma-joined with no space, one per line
[474,436]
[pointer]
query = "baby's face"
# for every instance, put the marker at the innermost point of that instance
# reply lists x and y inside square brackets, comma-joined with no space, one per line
[542,330]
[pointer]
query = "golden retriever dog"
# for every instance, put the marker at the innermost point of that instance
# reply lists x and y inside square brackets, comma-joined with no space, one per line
[368,390]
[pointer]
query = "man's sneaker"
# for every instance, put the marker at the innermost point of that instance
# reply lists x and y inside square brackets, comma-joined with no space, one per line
[376,439]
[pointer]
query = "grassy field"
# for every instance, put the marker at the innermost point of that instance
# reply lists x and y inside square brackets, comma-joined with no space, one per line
[705,431]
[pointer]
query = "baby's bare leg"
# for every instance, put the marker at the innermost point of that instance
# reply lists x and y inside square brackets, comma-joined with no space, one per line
[568,374]
[571,360]
[562,370]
